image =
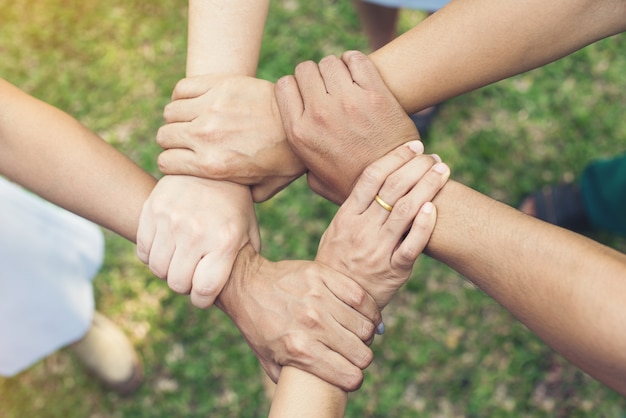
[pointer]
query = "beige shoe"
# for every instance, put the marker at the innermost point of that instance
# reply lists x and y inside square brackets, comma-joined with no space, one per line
[108,355]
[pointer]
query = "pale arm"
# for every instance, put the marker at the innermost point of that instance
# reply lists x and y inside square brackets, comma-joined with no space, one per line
[299,394]
[223,37]
[50,153]
[471,43]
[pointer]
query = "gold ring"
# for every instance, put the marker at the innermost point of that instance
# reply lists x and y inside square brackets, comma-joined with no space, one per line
[383,204]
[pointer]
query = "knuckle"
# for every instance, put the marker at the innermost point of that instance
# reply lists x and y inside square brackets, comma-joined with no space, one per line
[311,318]
[365,358]
[303,67]
[354,380]
[372,174]
[179,286]
[158,270]
[168,112]
[298,136]
[208,130]
[404,208]
[357,297]
[394,183]
[282,83]
[319,115]
[163,164]
[201,302]
[366,331]
[295,346]
[328,59]
[142,252]
[217,168]
[161,135]
[231,237]
[207,290]
[408,254]
[431,181]
[180,88]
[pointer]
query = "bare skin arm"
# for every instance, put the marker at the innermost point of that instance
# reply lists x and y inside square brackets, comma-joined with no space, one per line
[49,152]
[325,337]
[471,43]
[224,38]
[371,243]
[564,287]
[465,45]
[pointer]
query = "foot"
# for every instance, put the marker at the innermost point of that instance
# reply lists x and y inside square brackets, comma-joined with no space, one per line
[108,355]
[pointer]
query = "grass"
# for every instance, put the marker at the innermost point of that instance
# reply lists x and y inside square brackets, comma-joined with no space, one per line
[449,351]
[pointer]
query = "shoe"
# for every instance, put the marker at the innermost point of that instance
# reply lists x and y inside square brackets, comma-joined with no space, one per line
[108,355]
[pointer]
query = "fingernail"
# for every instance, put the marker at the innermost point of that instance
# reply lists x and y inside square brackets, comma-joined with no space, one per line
[416,146]
[428,208]
[440,168]
[436,157]
[380,329]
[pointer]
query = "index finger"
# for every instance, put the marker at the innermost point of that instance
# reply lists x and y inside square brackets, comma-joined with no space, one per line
[374,175]
[195,86]
[335,74]
[353,295]
[289,99]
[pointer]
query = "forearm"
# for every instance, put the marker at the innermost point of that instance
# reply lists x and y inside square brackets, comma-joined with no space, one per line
[52,154]
[561,285]
[471,43]
[303,395]
[225,36]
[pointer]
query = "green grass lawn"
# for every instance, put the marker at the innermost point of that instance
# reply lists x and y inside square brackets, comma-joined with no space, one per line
[449,350]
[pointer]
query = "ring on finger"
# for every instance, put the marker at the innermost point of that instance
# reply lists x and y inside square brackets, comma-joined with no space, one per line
[383,204]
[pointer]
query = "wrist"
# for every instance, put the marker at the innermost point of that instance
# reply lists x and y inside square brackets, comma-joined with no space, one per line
[248,264]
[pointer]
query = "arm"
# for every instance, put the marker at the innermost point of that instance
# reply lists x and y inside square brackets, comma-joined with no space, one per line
[465,45]
[299,394]
[471,43]
[564,287]
[49,152]
[225,41]
[223,37]
[375,245]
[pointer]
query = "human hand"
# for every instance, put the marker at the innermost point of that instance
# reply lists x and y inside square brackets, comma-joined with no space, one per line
[190,231]
[340,117]
[302,314]
[228,127]
[375,246]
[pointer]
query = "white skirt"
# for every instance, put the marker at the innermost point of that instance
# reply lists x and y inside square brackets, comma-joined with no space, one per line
[427,5]
[48,258]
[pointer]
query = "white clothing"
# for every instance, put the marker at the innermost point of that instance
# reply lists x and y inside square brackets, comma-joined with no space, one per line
[48,257]
[428,5]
